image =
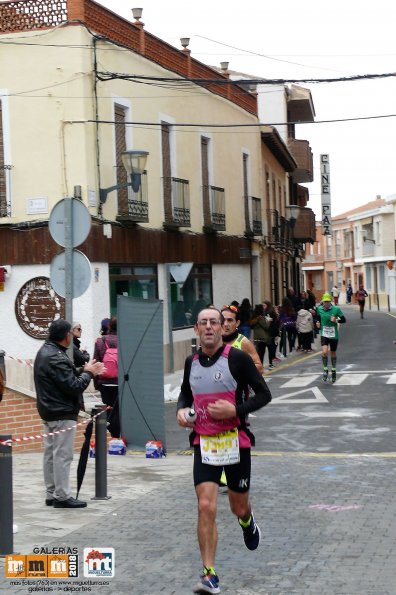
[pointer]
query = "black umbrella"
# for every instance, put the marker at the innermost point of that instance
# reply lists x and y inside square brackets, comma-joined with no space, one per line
[82,463]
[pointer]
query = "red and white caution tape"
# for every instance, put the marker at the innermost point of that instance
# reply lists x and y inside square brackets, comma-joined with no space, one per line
[10,441]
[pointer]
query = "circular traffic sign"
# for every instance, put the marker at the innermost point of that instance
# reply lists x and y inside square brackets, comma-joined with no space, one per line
[81,222]
[81,268]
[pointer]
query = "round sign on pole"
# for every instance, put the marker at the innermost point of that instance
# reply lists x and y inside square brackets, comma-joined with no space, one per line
[81,222]
[81,273]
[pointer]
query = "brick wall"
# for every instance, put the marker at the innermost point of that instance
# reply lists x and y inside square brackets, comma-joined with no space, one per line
[19,418]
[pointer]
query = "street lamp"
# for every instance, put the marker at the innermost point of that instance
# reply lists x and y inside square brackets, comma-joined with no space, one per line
[294,211]
[134,163]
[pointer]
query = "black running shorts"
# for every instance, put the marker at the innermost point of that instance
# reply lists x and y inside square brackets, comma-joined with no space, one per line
[238,475]
[332,343]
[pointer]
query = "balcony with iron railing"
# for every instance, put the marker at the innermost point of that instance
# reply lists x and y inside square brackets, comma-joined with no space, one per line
[257,223]
[177,203]
[181,202]
[285,233]
[3,205]
[216,220]
[135,208]
[279,231]
[273,227]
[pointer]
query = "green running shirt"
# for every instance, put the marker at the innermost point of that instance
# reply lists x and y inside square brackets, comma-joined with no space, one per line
[328,328]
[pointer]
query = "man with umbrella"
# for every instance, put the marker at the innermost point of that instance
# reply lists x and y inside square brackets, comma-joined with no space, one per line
[59,388]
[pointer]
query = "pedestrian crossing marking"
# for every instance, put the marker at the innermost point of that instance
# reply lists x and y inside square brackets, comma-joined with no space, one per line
[318,397]
[300,381]
[391,379]
[351,379]
[348,379]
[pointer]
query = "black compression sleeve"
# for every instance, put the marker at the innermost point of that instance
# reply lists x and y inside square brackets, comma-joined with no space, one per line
[185,397]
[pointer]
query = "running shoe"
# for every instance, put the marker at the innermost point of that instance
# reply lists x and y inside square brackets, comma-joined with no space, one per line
[333,376]
[251,534]
[271,367]
[325,375]
[209,583]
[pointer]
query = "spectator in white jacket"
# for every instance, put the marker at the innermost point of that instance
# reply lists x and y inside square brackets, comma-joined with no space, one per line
[335,292]
[304,325]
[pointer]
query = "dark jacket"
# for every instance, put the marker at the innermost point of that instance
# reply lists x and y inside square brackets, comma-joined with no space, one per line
[80,356]
[59,388]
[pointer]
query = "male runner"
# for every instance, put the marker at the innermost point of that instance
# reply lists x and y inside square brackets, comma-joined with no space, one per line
[232,335]
[328,318]
[214,383]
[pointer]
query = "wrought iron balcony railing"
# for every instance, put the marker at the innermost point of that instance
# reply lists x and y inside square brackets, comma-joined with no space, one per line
[216,220]
[257,224]
[176,202]
[135,208]
[181,202]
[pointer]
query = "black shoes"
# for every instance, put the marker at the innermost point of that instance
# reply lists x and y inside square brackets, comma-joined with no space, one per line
[49,501]
[69,503]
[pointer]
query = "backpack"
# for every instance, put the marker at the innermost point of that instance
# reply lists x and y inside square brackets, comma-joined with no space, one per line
[110,360]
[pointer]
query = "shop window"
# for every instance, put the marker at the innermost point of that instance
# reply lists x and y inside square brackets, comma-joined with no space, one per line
[188,298]
[132,281]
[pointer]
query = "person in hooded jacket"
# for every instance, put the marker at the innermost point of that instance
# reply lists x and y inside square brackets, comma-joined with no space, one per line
[304,325]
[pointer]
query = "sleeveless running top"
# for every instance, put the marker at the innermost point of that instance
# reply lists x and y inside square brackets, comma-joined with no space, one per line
[237,343]
[208,384]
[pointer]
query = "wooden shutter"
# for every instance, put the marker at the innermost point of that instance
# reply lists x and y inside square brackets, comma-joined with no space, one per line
[205,180]
[166,171]
[120,140]
[246,192]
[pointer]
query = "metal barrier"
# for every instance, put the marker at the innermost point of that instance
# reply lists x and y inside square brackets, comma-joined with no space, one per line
[6,505]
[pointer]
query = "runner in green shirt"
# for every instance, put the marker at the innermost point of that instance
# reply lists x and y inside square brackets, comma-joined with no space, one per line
[328,318]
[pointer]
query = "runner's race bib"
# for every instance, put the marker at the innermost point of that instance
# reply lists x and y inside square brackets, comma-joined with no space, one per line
[329,332]
[220,449]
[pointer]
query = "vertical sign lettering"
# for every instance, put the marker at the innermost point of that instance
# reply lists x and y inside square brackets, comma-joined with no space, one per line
[326,198]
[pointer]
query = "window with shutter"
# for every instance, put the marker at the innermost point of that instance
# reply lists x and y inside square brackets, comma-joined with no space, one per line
[120,142]
[166,172]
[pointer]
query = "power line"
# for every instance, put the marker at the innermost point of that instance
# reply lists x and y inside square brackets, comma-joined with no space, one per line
[105,76]
[250,125]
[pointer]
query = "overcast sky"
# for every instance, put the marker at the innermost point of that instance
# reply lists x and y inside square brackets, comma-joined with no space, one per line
[300,40]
